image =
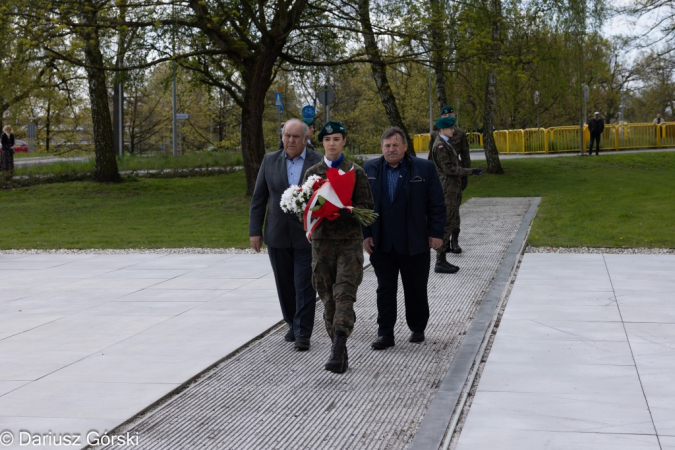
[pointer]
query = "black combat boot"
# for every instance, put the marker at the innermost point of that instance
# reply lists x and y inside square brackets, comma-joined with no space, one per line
[454,245]
[443,266]
[339,361]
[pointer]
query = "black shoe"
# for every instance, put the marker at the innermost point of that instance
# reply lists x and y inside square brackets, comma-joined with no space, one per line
[416,336]
[302,343]
[445,267]
[289,336]
[454,244]
[383,342]
[338,362]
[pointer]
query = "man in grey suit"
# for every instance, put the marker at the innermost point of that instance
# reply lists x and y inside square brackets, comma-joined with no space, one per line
[289,250]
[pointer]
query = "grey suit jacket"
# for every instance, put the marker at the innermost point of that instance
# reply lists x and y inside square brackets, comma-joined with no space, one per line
[282,230]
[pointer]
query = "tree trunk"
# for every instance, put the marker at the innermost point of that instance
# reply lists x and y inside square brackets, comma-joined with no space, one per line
[255,91]
[106,164]
[491,154]
[379,69]
[437,44]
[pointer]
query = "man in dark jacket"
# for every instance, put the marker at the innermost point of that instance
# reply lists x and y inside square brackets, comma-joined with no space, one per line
[596,126]
[409,200]
[289,251]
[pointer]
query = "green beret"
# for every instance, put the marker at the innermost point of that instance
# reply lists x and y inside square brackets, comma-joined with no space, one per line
[447,110]
[332,127]
[308,122]
[445,122]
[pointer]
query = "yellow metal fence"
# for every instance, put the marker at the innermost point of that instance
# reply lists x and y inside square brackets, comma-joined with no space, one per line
[566,139]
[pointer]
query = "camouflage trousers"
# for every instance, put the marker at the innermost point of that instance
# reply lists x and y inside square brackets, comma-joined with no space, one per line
[337,272]
[453,199]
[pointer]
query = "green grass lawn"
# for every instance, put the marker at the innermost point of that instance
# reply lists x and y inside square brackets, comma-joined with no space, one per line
[623,200]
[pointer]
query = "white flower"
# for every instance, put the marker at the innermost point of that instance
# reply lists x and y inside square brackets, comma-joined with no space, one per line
[307,185]
[295,198]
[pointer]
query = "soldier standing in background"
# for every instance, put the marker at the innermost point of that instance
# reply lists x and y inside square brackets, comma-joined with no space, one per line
[446,159]
[337,249]
[310,133]
[460,142]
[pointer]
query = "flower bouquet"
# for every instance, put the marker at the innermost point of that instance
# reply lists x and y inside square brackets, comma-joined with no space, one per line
[323,198]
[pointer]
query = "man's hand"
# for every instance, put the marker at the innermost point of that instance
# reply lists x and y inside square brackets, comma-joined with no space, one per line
[256,243]
[435,243]
[477,171]
[368,245]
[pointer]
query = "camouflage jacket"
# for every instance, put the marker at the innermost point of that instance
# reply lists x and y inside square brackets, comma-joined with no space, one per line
[459,141]
[446,160]
[362,197]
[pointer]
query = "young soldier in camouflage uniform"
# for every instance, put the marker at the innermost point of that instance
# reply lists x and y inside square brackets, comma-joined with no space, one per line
[445,157]
[337,249]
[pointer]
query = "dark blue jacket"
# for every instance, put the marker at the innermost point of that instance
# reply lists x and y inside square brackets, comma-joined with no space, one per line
[424,201]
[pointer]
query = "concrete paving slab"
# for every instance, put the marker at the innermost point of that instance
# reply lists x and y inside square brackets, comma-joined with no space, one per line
[583,379]
[541,329]
[547,311]
[557,412]
[12,324]
[166,295]
[201,283]
[540,296]
[623,385]
[179,346]
[8,386]
[521,439]
[126,274]
[81,400]
[123,308]
[653,314]
[37,340]
[667,442]
[28,366]
[660,334]
[562,352]
[125,368]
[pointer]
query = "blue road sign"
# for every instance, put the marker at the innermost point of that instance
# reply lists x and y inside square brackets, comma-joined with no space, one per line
[277,100]
[281,109]
[308,112]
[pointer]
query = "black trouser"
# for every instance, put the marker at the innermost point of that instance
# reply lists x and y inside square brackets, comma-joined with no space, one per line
[293,275]
[597,145]
[415,277]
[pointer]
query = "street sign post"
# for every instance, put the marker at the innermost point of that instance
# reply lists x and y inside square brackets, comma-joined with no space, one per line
[280,105]
[308,112]
[180,117]
[326,96]
[31,133]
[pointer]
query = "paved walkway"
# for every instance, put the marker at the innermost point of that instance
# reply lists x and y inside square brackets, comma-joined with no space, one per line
[271,397]
[584,358]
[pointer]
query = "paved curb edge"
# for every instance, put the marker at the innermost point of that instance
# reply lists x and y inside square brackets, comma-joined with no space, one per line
[437,420]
